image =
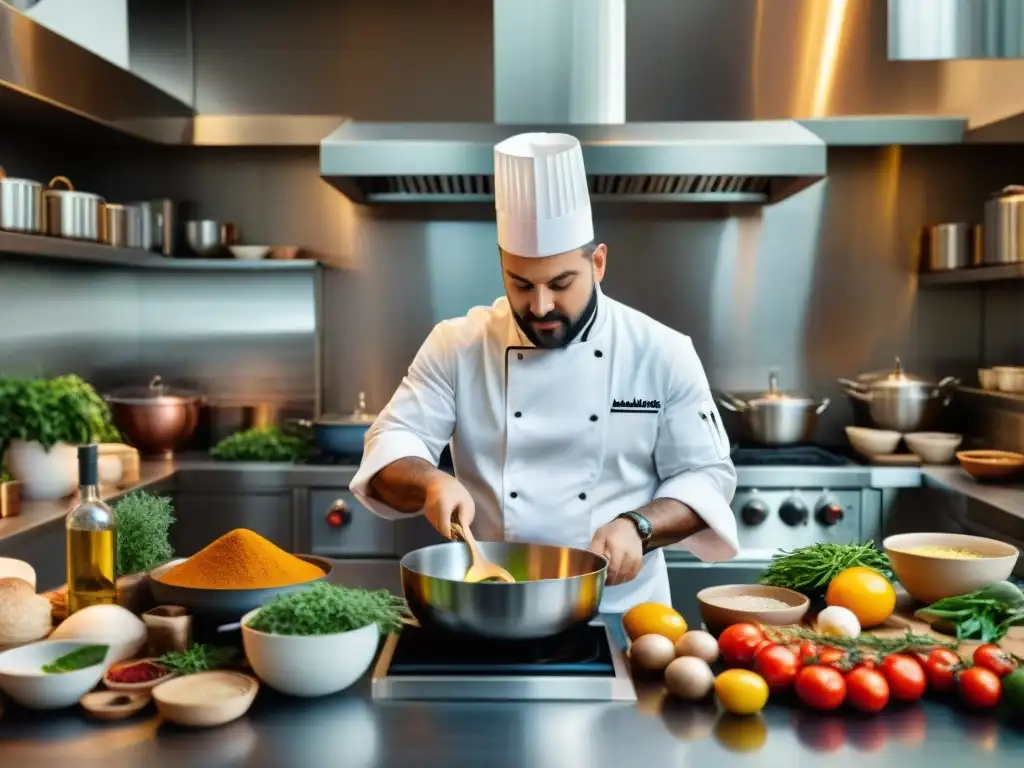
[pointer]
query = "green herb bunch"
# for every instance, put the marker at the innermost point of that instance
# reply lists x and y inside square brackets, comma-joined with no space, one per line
[325,609]
[50,411]
[985,614]
[262,444]
[198,658]
[143,523]
[810,569]
[5,476]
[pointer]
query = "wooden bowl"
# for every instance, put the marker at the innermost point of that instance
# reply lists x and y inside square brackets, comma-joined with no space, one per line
[990,465]
[224,603]
[135,687]
[928,578]
[717,616]
[206,699]
[113,705]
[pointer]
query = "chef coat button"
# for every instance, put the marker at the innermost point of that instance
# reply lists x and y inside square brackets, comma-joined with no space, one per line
[520,355]
[598,353]
[593,417]
[514,494]
[518,414]
[583,497]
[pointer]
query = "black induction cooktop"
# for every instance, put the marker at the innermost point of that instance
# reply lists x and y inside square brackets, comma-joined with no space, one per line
[808,455]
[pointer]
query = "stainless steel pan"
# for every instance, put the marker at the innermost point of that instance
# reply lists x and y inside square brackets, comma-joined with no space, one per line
[556,589]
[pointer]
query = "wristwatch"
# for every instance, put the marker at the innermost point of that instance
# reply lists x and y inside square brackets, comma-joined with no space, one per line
[644,528]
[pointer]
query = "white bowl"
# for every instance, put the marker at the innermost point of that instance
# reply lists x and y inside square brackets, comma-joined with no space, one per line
[934,447]
[10,566]
[22,677]
[309,665]
[250,252]
[987,379]
[873,442]
[1010,378]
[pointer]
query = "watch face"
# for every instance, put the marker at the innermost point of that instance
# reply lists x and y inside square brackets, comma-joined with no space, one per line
[643,525]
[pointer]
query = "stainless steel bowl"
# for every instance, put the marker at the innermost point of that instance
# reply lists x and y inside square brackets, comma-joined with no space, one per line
[72,214]
[556,588]
[210,238]
[223,603]
[21,205]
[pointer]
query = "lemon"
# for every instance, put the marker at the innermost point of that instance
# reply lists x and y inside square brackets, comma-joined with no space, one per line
[741,692]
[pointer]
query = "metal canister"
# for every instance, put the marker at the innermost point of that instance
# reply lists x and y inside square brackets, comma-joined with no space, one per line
[72,214]
[124,226]
[954,245]
[21,205]
[1004,227]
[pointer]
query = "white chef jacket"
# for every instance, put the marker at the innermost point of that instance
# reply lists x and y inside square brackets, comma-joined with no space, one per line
[553,444]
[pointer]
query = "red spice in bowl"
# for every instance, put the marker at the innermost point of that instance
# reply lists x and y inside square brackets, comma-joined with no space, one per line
[136,675]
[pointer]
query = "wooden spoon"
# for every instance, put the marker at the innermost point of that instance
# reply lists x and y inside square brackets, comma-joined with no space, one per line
[481,568]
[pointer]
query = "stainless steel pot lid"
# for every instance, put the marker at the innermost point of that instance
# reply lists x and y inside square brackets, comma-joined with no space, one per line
[70,191]
[358,418]
[897,378]
[1011,191]
[776,397]
[156,393]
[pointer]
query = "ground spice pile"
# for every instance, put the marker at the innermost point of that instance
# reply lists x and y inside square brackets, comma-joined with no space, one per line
[241,559]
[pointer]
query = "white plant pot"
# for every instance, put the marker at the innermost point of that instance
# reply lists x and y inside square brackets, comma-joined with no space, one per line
[43,474]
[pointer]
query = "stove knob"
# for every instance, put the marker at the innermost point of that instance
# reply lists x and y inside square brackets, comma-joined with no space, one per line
[338,515]
[754,512]
[793,512]
[829,513]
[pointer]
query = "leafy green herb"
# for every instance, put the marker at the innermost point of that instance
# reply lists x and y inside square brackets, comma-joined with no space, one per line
[143,522]
[50,411]
[985,614]
[810,569]
[262,444]
[5,476]
[881,646]
[80,658]
[325,609]
[198,658]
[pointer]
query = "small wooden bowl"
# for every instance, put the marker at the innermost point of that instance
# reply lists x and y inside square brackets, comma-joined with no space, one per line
[113,705]
[135,687]
[717,617]
[206,699]
[990,465]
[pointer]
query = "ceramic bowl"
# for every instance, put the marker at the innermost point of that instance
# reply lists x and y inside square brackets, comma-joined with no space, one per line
[250,252]
[987,379]
[205,699]
[991,465]
[223,603]
[135,687]
[1010,379]
[873,442]
[717,615]
[933,447]
[310,665]
[928,578]
[22,677]
[10,566]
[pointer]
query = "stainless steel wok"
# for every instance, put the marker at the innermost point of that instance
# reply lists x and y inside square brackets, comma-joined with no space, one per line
[556,588]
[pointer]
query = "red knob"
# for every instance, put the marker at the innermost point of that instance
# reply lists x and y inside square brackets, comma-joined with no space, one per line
[337,515]
[830,514]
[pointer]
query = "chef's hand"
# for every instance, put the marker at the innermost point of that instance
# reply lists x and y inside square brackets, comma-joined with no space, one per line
[619,542]
[447,501]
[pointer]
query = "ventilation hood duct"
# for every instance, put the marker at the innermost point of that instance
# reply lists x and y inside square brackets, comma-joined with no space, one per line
[946,30]
[560,67]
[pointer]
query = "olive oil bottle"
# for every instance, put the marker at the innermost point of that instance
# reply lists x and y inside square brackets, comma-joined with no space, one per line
[91,541]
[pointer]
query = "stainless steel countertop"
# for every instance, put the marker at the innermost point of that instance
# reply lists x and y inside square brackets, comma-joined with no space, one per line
[1006,497]
[351,730]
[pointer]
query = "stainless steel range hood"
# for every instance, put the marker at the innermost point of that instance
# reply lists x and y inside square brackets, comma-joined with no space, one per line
[549,76]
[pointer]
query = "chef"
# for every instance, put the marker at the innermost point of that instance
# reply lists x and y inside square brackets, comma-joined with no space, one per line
[573,420]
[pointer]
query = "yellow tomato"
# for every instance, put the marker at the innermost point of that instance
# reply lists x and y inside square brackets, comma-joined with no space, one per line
[865,592]
[653,619]
[741,692]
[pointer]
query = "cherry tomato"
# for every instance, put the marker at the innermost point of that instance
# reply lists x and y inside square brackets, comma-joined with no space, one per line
[867,690]
[806,650]
[940,668]
[831,656]
[738,643]
[778,665]
[905,676]
[994,659]
[979,687]
[766,643]
[820,687]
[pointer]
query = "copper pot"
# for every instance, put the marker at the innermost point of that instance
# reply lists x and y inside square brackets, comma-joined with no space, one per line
[155,419]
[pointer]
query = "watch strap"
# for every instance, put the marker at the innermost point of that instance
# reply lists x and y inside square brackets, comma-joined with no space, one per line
[643,526]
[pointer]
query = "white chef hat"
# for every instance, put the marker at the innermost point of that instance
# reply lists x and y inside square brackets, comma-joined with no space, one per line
[540,195]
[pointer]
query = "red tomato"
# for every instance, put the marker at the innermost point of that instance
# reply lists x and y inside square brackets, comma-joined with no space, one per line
[778,665]
[831,656]
[905,677]
[806,650]
[867,690]
[979,688]
[820,687]
[738,643]
[940,668]
[994,659]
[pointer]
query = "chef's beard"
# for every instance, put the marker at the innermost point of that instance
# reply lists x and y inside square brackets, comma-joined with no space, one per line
[567,330]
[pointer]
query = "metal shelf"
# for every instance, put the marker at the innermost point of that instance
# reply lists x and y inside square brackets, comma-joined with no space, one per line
[40,248]
[1000,273]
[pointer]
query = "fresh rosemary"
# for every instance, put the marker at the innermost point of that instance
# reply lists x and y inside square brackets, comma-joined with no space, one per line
[326,609]
[810,569]
[198,658]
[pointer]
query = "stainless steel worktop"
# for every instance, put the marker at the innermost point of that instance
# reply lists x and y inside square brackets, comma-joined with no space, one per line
[357,732]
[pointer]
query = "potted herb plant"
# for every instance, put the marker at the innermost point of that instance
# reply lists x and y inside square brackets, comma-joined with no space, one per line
[42,423]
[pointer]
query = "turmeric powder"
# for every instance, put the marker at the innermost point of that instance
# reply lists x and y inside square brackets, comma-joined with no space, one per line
[241,559]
